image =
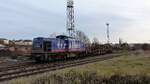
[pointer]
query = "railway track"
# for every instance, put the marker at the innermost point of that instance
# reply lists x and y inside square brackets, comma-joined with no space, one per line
[11,66]
[31,69]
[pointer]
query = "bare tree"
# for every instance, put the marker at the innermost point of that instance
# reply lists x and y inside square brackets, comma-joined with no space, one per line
[82,37]
[95,40]
[53,35]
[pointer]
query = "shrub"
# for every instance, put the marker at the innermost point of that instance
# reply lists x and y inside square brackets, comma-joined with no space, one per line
[89,77]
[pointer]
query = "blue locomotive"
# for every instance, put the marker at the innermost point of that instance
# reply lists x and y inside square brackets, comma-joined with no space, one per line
[61,47]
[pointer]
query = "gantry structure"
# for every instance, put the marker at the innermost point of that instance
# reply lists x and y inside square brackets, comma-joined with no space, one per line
[70,18]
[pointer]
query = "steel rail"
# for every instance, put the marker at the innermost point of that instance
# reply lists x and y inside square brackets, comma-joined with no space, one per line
[41,68]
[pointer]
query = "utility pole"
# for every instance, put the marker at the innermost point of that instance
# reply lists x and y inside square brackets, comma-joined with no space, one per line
[70,18]
[108,37]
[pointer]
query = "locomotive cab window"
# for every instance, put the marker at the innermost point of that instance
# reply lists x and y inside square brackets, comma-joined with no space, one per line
[47,46]
[66,44]
[59,44]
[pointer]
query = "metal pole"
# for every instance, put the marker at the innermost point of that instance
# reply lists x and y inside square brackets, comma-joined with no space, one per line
[108,37]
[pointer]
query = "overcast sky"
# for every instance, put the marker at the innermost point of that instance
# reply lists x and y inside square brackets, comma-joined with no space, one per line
[26,19]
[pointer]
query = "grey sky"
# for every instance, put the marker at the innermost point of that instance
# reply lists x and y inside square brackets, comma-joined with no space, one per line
[31,18]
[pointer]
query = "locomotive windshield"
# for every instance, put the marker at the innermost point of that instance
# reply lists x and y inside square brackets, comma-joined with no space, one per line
[37,45]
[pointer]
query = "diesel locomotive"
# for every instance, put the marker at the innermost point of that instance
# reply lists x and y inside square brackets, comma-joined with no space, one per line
[64,47]
[61,47]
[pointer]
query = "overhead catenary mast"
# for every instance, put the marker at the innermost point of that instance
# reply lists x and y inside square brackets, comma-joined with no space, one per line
[70,18]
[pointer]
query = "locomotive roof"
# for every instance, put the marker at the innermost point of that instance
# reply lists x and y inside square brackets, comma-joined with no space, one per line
[63,37]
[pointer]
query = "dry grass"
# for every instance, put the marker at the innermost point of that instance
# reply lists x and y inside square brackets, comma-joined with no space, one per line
[129,68]
[134,64]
